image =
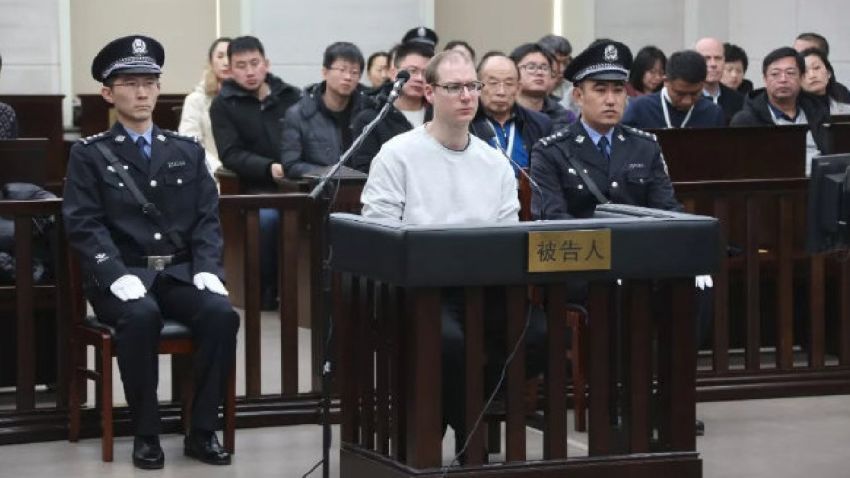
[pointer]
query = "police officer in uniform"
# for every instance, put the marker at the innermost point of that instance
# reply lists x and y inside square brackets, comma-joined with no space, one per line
[138,267]
[597,158]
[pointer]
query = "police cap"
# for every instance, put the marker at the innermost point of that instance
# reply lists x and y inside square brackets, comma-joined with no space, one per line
[602,60]
[421,35]
[137,54]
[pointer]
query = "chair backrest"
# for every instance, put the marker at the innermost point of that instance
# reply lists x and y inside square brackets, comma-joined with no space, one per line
[24,160]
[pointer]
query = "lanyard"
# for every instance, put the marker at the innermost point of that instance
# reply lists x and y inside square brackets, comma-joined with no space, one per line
[509,152]
[664,99]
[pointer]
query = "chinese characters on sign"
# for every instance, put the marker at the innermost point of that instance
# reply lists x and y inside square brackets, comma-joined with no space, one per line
[558,251]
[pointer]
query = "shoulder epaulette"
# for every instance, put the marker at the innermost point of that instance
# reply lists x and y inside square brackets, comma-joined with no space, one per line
[184,137]
[640,133]
[95,137]
[559,135]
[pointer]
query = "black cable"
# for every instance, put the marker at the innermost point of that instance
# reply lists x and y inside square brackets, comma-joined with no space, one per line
[492,394]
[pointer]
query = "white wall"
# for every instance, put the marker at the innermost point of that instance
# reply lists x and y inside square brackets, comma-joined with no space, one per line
[295,33]
[29,44]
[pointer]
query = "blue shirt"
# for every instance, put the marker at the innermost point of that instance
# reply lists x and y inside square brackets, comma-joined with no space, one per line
[135,136]
[778,114]
[519,151]
[595,136]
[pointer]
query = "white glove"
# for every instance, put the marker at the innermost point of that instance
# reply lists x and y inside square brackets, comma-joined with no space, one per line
[703,281]
[211,282]
[128,287]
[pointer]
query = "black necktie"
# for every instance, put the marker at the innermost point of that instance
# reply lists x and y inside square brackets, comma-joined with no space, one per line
[141,142]
[603,147]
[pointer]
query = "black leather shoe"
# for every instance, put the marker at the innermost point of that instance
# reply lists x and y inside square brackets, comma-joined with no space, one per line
[147,454]
[204,446]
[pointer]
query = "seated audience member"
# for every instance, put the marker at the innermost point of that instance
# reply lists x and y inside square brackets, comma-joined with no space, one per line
[820,83]
[8,120]
[376,68]
[317,129]
[462,47]
[680,103]
[439,173]
[804,41]
[726,98]
[246,117]
[500,121]
[195,117]
[536,65]
[409,110]
[647,72]
[781,102]
[734,69]
[563,50]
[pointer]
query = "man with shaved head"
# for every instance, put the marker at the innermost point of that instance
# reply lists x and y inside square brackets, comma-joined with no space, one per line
[728,99]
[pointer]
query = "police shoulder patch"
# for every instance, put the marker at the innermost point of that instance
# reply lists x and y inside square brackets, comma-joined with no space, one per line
[639,133]
[555,137]
[95,137]
[184,137]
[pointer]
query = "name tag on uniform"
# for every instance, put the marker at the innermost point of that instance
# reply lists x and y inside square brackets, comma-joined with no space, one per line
[176,164]
[636,166]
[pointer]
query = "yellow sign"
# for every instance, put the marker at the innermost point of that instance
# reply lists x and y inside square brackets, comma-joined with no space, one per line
[560,251]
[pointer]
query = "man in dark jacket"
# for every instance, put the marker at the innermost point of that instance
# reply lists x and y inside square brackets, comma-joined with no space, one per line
[500,121]
[537,65]
[317,129]
[246,116]
[781,102]
[715,61]
[246,121]
[408,111]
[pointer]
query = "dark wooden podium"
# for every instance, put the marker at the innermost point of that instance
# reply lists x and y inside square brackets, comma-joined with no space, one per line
[387,319]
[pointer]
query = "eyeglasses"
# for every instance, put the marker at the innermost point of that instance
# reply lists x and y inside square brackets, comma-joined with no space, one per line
[148,84]
[454,89]
[789,73]
[346,71]
[535,67]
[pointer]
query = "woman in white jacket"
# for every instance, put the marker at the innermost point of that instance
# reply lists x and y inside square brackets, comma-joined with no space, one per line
[195,118]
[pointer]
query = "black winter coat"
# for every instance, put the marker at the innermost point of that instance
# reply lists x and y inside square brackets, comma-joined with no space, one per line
[757,113]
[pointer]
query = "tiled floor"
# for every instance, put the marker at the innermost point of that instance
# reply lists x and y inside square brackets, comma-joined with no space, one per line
[779,438]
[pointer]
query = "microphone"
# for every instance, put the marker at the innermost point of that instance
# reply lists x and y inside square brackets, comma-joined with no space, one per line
[400,79]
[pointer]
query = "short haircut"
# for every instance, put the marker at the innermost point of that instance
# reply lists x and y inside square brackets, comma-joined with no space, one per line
[816,38]
[643,62]
[452,44]
[401,51]
[342,50]
[526,49]
[686,65]
[494,54]
[780,53]
[556,44]
[215,44]
[375,56]
[245,44]
[431,76]
[736,53]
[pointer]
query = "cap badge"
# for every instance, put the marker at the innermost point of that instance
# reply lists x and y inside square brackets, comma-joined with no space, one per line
[420,32]
[139,47]
[610,53]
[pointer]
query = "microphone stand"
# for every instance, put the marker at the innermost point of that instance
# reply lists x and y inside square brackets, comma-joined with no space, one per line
[318,190]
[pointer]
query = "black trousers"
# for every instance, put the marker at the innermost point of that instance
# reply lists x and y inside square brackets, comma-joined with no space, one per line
[495,327]
[138,323]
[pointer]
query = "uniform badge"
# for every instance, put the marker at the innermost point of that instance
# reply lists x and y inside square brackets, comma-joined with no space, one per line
[101,257]
[610,53]
[579,139]
[420,32]
[110,169]
[119,138]
[161,137]
[176,164]
[139,47]
[571,171]
[621,137]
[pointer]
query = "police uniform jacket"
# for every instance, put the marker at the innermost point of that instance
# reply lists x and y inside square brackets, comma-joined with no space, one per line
[106,226]
[636,173]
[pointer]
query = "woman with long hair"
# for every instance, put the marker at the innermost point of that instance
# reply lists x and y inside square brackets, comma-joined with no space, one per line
[819,80]
[647,72]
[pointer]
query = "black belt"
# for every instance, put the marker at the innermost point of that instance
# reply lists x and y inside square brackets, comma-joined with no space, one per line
[156,263]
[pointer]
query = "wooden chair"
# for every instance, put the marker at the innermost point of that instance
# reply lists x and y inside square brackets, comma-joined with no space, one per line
[175,340]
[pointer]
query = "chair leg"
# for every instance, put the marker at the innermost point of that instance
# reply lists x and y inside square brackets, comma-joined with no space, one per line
[579,379]
[74,392]
[230,412]
[106,440]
